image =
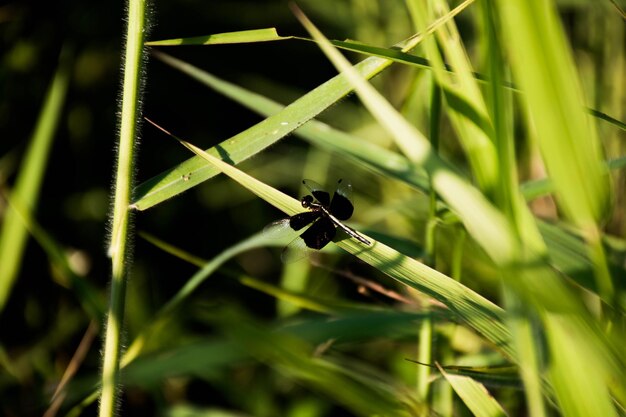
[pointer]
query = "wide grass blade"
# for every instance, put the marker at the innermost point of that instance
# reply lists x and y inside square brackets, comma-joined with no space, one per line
[368,154]
[476,311]
[253,140]
[580,390]
[567,138]
[245,36]
[484,222]
[365,395]
[561,245]
[474,395]
[466,108]
[554,104]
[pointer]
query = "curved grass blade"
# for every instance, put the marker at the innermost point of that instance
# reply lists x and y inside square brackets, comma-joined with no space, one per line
[85,292]
[394,54]
[253,140]
[495,376]
[474,395]
[468,306]
[292,356]
[392,164]
[368,154]
[207,268]
[531,276]
[483,221]
[26,193]
[261,239]
[567,137]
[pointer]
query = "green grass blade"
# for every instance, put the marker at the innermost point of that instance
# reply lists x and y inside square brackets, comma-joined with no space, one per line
[581,390]
[364,394]
[245,36]
[474,395]
[466,107]
[28,184]
[253,140]
[318,133]
[567,136]
[484,222]
[374,157]
[568,141]
[476,311]
[85,292]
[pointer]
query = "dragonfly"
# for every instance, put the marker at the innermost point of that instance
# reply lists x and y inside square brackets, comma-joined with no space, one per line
[324,215]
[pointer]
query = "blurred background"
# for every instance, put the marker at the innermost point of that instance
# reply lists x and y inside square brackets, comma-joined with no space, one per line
[43,322]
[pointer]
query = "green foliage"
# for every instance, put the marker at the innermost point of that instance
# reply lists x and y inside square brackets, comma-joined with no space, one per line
[486,153]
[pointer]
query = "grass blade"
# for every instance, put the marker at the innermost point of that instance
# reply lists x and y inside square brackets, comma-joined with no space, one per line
[567,136]
[466,108]
[560,243]
[253,140]
[14,234]
[369,154]
[245,36]
[484,222]
[474,395]
[468,306]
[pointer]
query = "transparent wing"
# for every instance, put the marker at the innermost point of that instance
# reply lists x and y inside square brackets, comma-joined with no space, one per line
[295,251]
[318,192]
[279,231]
[282,234]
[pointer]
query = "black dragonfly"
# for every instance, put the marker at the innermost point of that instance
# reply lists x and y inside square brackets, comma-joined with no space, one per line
[324,215]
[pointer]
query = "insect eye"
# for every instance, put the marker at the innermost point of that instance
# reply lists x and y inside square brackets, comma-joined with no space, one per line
[306,201]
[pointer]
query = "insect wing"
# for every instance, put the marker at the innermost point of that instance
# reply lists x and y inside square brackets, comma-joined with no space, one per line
[341,205]
[318,192]
[295,251]
[319,234]
[300,220]
[279,231]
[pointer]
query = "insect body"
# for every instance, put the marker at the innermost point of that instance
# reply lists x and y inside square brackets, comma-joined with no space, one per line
[325,215]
